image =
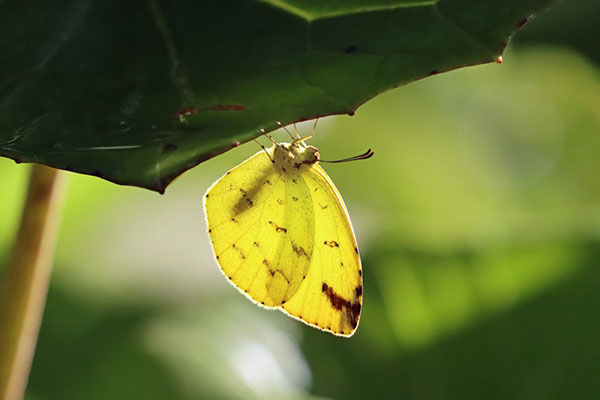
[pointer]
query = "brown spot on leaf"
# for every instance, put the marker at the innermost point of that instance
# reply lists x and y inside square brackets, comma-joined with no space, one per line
[521,23]
[228,107]
[187,111]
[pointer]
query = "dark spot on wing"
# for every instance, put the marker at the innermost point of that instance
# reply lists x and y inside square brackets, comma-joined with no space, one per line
[316,189]
[268,182]
[210,230]
[294,180]
[356,249]
[299,250]
[358,291]
[256,244]
[280,201]
[242,254]
[207,195]
[248,197]
[360,272]
[234,220]
[341,264]
[294,198]
[339,303]
[280,272]
[277,228]
[331,243]
[323,207]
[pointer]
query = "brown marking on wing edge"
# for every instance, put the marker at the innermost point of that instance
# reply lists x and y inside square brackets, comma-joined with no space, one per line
[358,291]
[339,303]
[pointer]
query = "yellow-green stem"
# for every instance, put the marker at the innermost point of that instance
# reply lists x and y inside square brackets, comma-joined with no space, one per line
[26,277]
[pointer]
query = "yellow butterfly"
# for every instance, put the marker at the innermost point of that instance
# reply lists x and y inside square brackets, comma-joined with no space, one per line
[281,233]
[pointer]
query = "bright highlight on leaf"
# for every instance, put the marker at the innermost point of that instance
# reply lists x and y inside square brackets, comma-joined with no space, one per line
[281,234]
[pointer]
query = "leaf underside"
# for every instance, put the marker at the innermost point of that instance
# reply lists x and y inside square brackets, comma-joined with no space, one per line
[137,92]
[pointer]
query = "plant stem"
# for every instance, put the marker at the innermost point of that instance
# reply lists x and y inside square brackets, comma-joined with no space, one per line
[26,278]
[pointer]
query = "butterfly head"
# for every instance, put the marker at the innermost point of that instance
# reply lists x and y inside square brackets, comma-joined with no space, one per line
[295,154]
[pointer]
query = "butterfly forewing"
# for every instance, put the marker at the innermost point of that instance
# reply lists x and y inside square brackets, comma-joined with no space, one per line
[331,296]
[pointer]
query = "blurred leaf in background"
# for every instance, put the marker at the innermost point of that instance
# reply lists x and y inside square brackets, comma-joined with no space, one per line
[479,225]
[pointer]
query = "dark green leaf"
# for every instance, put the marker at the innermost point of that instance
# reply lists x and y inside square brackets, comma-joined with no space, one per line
[138,92]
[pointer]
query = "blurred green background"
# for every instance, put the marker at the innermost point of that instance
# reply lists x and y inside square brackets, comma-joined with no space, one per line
[478,221]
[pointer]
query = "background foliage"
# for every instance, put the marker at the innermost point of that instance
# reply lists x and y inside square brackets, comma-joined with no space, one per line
[479,225]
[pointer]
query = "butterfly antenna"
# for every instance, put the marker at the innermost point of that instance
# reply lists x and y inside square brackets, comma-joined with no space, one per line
[265,150]
[285,129]
[367,154]
[314,127]
[296,129]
